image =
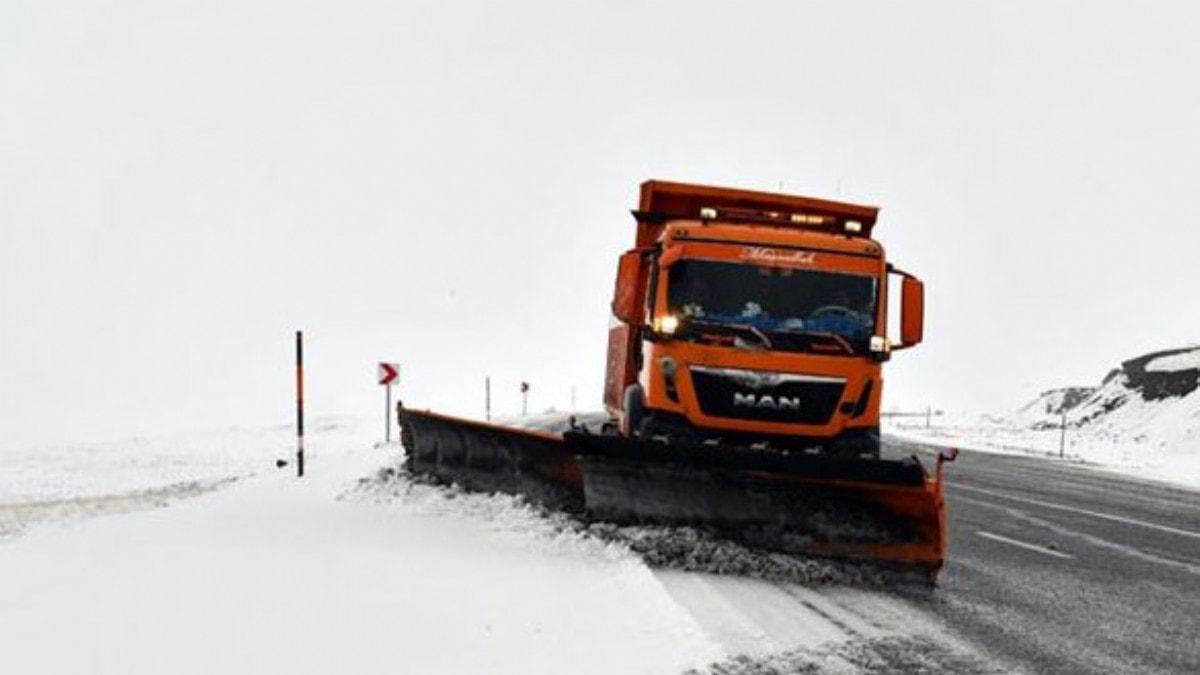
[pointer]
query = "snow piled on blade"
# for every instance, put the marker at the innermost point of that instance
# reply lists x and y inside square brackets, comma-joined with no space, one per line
[1143,419]
[697,550]
[507,516]
[686,548]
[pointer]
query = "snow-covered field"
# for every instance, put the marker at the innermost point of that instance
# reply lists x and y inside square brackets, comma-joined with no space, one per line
[275,574]
[1143,419]
[61,481]
[196,554]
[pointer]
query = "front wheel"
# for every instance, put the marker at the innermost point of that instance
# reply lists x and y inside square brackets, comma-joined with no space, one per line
[667,429]
[856,444]
[633,410]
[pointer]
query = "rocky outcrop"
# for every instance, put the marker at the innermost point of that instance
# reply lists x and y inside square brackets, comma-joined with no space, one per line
[1156,379]
[1164,374]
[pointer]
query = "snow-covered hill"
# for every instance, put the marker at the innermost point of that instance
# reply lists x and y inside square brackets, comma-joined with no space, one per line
[1144,416]
[1051,404]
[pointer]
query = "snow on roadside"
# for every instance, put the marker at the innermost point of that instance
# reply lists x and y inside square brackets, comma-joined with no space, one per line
[1123,449]
[690,549]
[63,483]
[361,568]
[138,463]
[17,515]
[1143,419]
[764,612]
[275,574]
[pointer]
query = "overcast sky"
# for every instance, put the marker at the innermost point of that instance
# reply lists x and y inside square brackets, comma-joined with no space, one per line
[447,185]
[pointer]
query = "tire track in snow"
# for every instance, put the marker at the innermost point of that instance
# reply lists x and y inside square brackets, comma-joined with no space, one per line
[16,516]
[778,627]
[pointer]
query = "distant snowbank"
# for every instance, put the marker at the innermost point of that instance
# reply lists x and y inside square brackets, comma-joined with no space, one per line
[68,482]
[1143,419]
[67,471]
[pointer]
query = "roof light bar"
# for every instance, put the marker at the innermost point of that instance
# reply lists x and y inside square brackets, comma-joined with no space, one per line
[808,219]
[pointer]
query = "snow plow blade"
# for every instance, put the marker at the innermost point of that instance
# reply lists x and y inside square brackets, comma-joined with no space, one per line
[882,510]
[888,511]
[491,458]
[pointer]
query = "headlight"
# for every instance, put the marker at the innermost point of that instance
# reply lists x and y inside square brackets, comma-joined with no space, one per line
[667,324]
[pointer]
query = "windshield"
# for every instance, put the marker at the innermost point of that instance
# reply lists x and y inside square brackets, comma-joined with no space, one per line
[794,309]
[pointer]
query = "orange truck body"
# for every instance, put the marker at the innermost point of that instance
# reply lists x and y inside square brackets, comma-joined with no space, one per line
[750,335]
[826,394]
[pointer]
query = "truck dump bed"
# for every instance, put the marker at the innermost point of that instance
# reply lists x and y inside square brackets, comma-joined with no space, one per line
[661,201]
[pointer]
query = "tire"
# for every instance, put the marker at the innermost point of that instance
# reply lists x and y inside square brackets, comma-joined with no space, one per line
[658,427]
[634,409]
[862,443]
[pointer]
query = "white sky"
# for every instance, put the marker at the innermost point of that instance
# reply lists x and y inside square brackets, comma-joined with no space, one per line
[447,185]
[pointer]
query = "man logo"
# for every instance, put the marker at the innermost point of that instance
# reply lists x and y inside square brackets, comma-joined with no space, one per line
[766,401]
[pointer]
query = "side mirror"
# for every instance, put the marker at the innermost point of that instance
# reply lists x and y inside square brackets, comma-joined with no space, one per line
[912,312]
[627,304]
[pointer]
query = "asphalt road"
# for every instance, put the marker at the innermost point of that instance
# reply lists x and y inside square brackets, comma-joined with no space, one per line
[1061,568]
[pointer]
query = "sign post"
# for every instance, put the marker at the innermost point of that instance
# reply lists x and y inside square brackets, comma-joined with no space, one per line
[386,374]
[524,399]
[299,404]
[1062,437]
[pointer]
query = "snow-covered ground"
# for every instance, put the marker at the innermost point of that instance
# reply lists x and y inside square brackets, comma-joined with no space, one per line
[276,574]
[60,481]
[359,568]
[1143,419]
[1121,453]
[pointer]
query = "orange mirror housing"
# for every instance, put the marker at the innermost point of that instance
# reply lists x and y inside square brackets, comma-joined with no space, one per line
[627,304]
[912,311]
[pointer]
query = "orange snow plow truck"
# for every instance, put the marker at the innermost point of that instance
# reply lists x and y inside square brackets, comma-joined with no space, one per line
[743,387]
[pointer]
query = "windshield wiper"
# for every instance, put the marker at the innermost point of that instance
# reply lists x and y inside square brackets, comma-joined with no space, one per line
[753,330]
[838,339]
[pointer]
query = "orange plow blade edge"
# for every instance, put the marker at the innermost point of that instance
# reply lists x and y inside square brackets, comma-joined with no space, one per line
[882,510]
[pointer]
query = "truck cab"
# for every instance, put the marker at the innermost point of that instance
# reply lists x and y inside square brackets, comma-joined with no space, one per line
[754,319]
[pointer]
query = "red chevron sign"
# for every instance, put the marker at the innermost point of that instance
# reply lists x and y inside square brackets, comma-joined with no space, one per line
[388,373]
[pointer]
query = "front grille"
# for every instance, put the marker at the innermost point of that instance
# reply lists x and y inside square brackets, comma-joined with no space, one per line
[767,397]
